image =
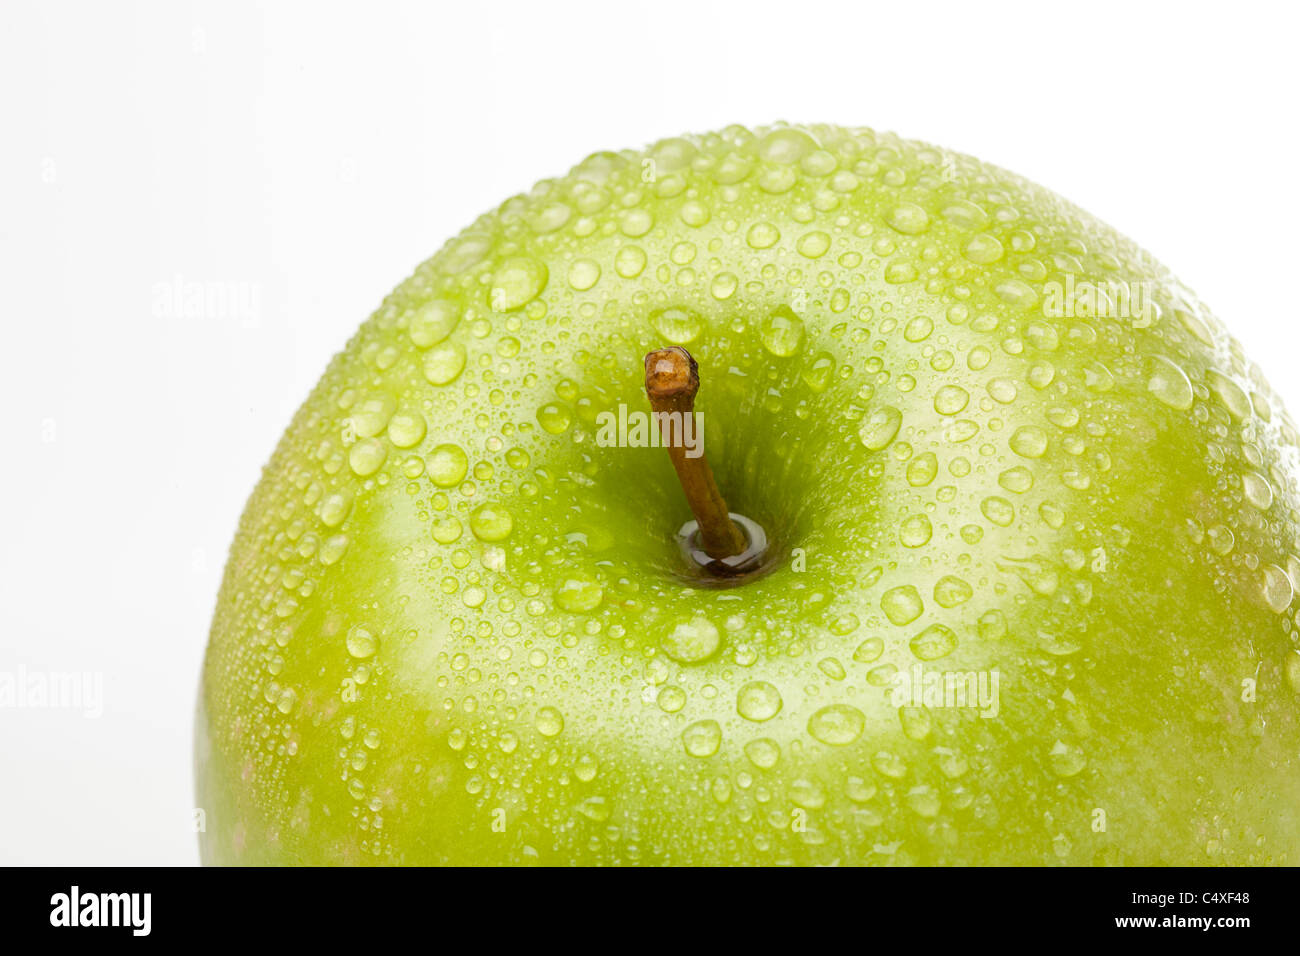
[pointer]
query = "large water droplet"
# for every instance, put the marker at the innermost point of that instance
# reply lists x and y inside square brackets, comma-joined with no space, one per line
[998,510]
[579,593]
[1066,760]
[869,650]
[548,721]
[361,642]
[515,283]
[447,465]
[1257,490]
[584,274]
[782,333]
[902,605]
[880,427]
[690,642]
[758,701]
[433,322]
[915,531]
[922,469]
[1276,587]
[702,738]
[949,591]
[444,363]
[406,429]
[367,456]
[908,218]
[1169,384]
[1029,441]
[934,642]
[837,724]
[677,325]
[763,753]
[1017,480]
[1233,397]
[950,399]
[491,523]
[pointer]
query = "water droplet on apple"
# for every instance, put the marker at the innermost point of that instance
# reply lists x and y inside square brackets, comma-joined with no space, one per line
[671,699]
[584,274]
[361,642]
[922,469]
[447,466]
[1276,587]
[934,642]
[832,668]
[837,724]
[369,417]
[406,429]
[444,363]
[1029,441]
[908,218]
[515,283]
[813,245]
[1221,539]
[433,322]
[630,261]
[951,399]
[983,250]
[950,591]
[1066,760]
[960,431]
[548,721]
[491,523]
[1002,390]
[332,548]
[595,808]
[782,333]
[915,531]
[446,529]
[998,510]
[1098,377]
[762,235]
[915,722]
[692,641]
[763,753]
[869,650]
[367,456]
[677,325]
[785,147]
[1017,480]
[902,605]
[924,801]
[554,417]
[579,593]
[758,701]
[702,738]
[918,329]
[334,508]
[1170,384]
[723,286]
[880,427]
[1257,490]
[818,373]
[1229,393]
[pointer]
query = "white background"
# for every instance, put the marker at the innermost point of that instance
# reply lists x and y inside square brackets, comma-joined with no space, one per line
[311,156]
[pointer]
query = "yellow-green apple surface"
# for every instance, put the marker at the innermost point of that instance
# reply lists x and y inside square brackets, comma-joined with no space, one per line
[1032,542]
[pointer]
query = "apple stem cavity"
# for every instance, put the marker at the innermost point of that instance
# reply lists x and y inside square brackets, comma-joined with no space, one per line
[672,379]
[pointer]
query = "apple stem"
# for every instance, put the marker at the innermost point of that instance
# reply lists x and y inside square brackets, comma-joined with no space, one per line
[672,378]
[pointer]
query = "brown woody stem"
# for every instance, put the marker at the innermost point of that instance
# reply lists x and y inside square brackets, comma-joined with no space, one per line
[671,380]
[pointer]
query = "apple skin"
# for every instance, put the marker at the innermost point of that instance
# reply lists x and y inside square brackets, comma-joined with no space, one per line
[455,629]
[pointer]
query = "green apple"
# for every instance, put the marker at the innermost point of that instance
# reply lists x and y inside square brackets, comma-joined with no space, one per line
[1032,542]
